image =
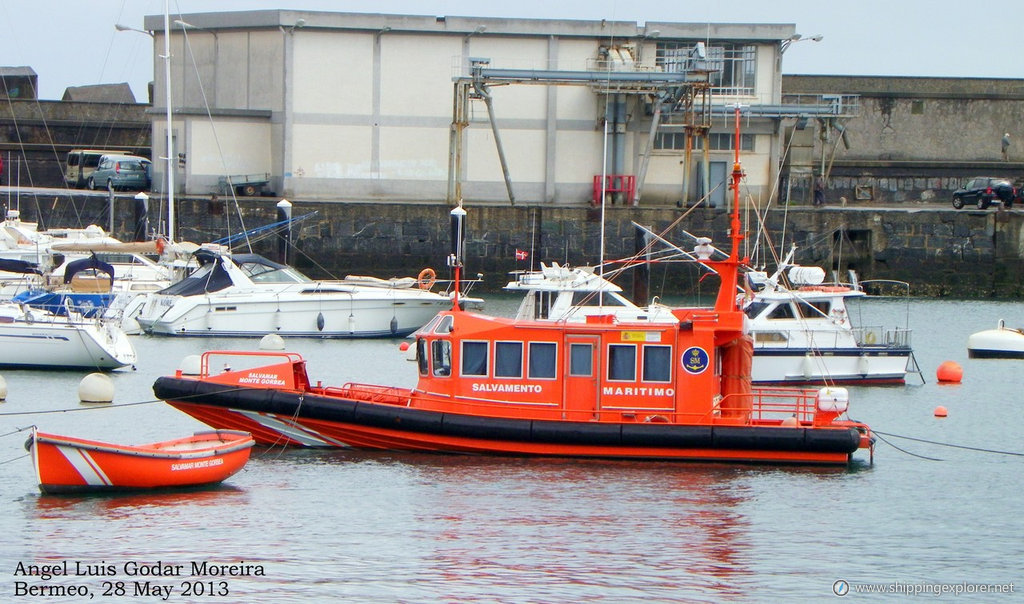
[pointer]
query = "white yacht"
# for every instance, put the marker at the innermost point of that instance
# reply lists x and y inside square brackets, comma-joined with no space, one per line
[249,295]
[35,338]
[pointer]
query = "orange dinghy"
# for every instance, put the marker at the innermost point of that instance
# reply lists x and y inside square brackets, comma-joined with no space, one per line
[73,465]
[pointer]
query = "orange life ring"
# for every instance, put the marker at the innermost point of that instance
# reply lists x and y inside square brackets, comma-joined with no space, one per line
[426,278]
[160,243]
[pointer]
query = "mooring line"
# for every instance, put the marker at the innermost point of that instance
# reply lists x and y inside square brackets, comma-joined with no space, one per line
[942,444]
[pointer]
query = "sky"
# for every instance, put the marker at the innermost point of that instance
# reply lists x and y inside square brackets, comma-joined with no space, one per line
[70,43]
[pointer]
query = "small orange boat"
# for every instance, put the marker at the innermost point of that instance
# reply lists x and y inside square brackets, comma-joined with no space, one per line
[73,465]
[672,386]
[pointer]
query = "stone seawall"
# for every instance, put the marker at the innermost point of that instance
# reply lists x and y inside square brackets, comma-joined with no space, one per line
[938,250]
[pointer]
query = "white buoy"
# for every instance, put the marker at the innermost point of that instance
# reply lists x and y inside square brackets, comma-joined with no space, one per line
[3,389]
[190,365]
[96,388]
[272,341]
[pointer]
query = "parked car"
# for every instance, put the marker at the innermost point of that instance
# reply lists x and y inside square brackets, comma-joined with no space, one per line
[121,172]
[985,190]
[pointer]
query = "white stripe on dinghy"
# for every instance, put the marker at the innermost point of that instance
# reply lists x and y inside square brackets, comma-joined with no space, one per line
[85,465]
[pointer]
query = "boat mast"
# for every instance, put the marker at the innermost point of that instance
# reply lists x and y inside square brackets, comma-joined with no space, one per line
[458,235]
[170,135]
[728,269]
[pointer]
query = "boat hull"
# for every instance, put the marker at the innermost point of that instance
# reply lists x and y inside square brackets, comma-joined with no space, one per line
[849,366]
[71,465]
[63,344]
[311,420]
[338,316]
[1000,343]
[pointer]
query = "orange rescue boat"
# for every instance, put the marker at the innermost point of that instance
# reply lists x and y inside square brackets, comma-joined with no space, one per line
[73,465]
[676,386]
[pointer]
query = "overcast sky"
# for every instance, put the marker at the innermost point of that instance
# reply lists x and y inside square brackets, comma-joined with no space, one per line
[71,43]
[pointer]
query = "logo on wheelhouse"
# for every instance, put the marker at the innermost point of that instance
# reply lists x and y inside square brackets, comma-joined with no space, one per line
[694,360]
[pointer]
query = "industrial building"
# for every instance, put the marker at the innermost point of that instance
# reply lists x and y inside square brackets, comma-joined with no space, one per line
[366,107]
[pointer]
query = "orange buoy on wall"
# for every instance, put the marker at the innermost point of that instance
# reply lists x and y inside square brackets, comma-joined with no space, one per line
[949,372]
[940,411]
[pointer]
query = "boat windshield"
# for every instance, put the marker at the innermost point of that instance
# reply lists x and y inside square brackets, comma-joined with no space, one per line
[262,273]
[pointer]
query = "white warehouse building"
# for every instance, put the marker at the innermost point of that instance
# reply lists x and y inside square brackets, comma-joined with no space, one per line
[373,107]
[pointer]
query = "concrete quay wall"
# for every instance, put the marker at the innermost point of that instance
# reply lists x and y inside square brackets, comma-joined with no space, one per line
[938,250]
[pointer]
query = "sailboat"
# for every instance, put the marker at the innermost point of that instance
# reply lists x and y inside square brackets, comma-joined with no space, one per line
[675,388]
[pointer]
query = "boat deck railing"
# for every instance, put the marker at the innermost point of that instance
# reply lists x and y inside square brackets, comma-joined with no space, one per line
[881,336]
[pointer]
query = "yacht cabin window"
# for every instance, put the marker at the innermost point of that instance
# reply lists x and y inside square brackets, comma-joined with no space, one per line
[755,308]
[782,311]
[541,362]
[815,310]
[474,358]
[508,359]
[595,299]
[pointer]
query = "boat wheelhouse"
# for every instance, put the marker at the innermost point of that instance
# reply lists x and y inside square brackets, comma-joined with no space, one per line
[803,333]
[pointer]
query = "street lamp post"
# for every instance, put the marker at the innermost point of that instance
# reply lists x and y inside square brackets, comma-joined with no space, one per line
[167,89]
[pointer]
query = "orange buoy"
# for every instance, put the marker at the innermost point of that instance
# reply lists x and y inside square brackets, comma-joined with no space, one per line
[403,346]
[949,372]
[940,411]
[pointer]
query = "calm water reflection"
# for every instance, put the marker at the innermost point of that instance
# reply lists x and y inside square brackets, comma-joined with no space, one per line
[372,527]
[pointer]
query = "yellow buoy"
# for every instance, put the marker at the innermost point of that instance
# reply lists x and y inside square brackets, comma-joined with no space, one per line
[949,372]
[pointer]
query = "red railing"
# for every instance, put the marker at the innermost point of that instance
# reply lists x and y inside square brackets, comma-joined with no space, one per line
[615,183]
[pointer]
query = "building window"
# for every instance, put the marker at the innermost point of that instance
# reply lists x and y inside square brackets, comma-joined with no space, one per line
[622,362]
[581,360]
[657,364]
[734,65]
[720,141]
[474,358]
[542,360]
[508,359]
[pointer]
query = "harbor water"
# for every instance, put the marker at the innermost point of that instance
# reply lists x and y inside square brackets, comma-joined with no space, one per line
[334,525]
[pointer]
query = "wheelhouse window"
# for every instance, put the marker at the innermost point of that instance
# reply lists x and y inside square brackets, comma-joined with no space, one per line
[421,356]
[474,358]
[581,360]
[508,359]
[541,362]
[657,363]
[445,325]
[441,357]
[622,362]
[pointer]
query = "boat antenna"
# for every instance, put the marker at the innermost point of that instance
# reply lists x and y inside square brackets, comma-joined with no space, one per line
[729,268]
[458,233]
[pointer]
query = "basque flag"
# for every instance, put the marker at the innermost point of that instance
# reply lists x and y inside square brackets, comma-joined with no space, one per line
[521,254]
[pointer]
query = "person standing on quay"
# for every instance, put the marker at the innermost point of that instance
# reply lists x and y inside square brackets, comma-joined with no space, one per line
[819,191]
[1006,146]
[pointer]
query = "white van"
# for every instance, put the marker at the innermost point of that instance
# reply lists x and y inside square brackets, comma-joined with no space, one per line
[82,163]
